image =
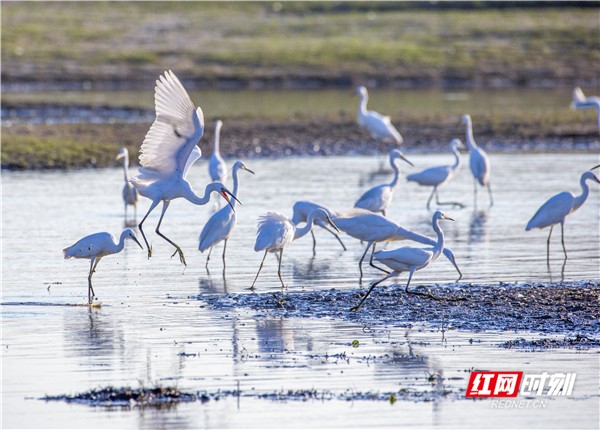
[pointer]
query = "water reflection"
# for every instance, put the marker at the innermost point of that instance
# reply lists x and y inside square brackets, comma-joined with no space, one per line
[478,228]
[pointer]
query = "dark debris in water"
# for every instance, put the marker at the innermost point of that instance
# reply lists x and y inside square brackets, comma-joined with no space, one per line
[162,398]
[548,308]
[578,342]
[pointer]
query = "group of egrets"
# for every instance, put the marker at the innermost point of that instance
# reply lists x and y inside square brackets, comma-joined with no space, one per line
[170,148]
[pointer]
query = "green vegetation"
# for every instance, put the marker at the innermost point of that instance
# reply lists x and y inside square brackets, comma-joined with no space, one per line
[132,41]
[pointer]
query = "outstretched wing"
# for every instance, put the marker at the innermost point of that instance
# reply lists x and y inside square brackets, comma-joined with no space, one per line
[176,130]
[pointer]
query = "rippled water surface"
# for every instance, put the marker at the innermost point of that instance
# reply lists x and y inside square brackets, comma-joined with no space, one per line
[155,329]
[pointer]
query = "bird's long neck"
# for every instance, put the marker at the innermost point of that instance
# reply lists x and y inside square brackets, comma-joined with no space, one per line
[191,196]
[456,164]
[396,173]
[307,227]
[235,186]
[581,198]
[126,167]
[217,139]
[439,246]
[469,135]
[404,234]
[118,247]
[362,105]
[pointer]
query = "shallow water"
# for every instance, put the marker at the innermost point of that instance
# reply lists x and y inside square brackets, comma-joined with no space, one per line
[153,319]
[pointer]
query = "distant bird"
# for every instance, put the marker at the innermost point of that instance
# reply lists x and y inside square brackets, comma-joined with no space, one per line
[556,209]
[276,231]
[380,127]
[96,246]
[221,224]
[216,165]
[409,259]
[169,150]
[438,176]
[374,228]
[300,214]
[130,194]
[580,101]
[378,198]
[478,160]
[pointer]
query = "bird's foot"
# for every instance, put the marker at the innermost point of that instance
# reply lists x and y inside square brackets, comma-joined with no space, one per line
[149,251]
[181,256]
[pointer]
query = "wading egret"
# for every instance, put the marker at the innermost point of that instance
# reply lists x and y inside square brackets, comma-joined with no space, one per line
[96,246]
[378,198]
[216,165]
[130,194]
[276,231]
[556,209]
[478,161]
[374,228]
[379,126]
[221,224]
[169,150]
[409,259]
[300,214]
[580,101]
[437,176]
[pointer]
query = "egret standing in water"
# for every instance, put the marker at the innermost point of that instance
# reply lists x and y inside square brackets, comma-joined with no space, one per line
[96,246]
[374,228]
[580,101]
[221,224]
[276,231]
[438,176]
[478,161]
[169,150]
[130,194]
[379,126]
[378,198]
[216,165]
[302,209]
[409,259]
[556,209]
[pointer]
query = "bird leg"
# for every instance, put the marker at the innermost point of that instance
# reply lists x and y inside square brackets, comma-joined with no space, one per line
[177,248]
[207,257]
[548,246]
[475,191]
[279,268]
[224,248]
[489,187]
[148,246]
[373,264]
[437,200]
[562,238]
[430,296]
[363,257]
[336,236]
[259,269]
[312,233]
[91,294]
[430,197]
[373,285]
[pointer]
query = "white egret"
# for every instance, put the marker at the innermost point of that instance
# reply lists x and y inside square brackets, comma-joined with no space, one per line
[169,150]
[221,224]
[478,160]
[378,198]
[276,231]
[379,126]
[130,194]
[580,101]
[216,165]
[437,176]
[374,228]
[96,246]
[409,259]
[556,209]
[301,210]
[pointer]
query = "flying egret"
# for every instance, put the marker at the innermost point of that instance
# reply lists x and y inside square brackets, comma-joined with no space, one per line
[379,126]
[409,259]
[216,165]
[169,150]
[96,246]
[478,160]
[130,194]
[556,209]
[580,101]
[221,224]
[276,231]
[301,210]
[378,198]
[439,175]
[374,228]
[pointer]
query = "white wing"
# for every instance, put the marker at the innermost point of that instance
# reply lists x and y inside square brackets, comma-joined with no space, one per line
[176,130]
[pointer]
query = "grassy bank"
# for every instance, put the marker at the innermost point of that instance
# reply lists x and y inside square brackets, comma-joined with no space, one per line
[297,44]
